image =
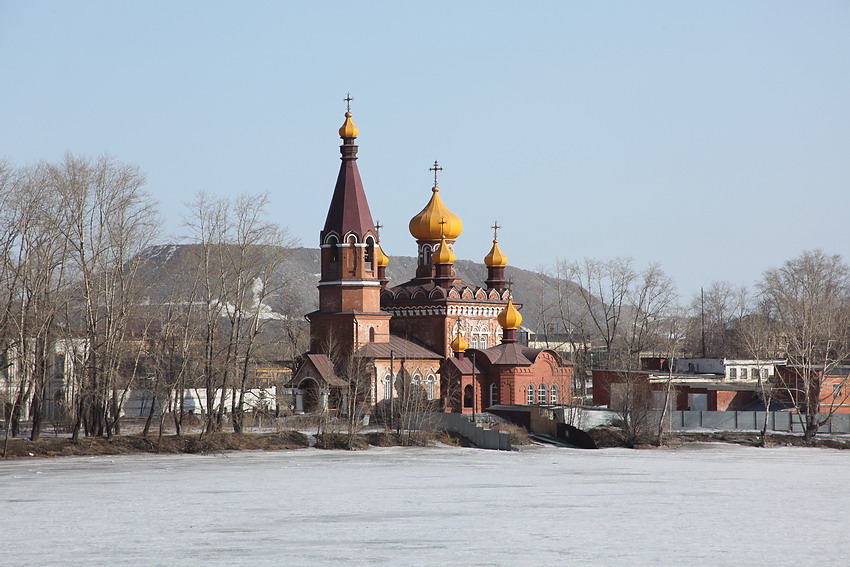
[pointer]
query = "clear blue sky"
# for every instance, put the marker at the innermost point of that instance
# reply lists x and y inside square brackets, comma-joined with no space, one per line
[713,137]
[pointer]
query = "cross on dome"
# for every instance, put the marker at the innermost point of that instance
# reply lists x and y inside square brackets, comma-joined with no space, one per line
[495,228]
[348,100]
[435,168]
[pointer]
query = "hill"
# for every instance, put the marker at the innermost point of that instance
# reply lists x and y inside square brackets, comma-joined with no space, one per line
[538,293]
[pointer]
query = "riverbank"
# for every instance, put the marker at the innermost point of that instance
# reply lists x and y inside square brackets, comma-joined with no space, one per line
[195,443]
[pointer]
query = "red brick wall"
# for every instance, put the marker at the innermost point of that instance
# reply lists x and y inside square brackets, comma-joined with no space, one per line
[726,400]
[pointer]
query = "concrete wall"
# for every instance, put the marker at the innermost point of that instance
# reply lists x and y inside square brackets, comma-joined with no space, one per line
[481,437]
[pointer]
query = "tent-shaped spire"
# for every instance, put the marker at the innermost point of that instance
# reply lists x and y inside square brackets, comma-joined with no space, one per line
[349,210]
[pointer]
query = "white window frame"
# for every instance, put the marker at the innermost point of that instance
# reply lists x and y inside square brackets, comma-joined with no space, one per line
[388,387]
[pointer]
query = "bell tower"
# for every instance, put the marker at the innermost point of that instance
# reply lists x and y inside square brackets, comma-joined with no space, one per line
[349,314]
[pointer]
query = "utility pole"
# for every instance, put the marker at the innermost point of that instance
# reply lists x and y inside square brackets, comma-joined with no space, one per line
[391,385]
[702,314]
[473,386]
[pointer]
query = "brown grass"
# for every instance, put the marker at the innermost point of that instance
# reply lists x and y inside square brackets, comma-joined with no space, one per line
[128,444]
[519,435]
[340,441]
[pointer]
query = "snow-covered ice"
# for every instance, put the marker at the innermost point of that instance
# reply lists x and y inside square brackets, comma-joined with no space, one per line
[696,505]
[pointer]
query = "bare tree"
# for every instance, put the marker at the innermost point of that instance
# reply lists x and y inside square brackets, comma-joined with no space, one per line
[571,318]
[41,255]
[33,280]
[605,287]
[810,296]
[107,221]
[714,313]
[628,310]
[757,334]
[241,264]
[170,347]
[671,343]
[10,233]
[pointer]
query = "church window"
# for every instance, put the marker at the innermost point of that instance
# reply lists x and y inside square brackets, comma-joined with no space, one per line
[431,381]
[388,390]
[530,397]
[467,396]
[426,254]
[494,394]
[483,342]
[371,334]
[370,252]
[474,342]
[553,395]
[333,254]
[541,394]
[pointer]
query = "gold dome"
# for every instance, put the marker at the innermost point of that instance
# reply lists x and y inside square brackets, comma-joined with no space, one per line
[495,258]
[510,317]
[348,129]
[427,224]
[459,344]
[444,254]
[380,257]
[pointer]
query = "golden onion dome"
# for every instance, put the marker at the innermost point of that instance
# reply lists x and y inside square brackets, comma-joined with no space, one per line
[348,129]
[510,317]
[435,220]
[495,258]
[380,257]
[444,254]
[459,344]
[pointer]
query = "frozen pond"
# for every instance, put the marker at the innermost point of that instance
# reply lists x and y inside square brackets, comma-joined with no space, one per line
[696,505]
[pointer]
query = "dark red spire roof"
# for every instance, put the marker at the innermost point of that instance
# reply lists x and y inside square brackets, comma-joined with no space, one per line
[349,210]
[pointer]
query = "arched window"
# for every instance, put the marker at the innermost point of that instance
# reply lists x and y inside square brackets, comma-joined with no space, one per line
[431,382]
[371,334]
[370,252]
[474,342]
[483,342]
[467,396]
[541,394]
[417,381]
[388,387]
[426,254]
[494,394]
[553,394]
[530,397]
[333,254]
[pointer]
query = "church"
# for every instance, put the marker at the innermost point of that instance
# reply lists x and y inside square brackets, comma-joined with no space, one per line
[445,343]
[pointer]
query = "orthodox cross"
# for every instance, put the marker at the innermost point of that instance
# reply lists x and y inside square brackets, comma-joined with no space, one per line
[378,227]
[436,167]
[442,221]
[495,228]
[348,100]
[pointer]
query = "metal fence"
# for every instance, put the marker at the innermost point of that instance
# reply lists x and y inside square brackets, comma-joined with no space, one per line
[753,420]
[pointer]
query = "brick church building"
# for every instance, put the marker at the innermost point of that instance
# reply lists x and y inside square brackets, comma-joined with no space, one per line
[371,342]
